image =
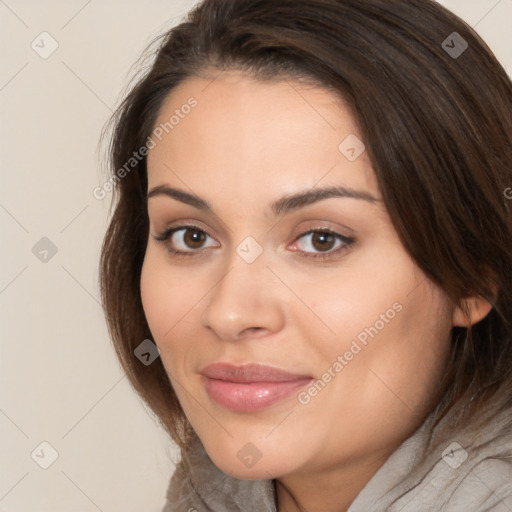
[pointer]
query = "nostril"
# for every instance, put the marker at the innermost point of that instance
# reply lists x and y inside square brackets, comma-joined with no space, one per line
[252,330]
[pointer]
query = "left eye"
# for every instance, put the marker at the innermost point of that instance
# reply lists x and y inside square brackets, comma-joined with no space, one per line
[322,242]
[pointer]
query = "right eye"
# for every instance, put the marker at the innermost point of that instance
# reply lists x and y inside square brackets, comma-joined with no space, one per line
[186,240]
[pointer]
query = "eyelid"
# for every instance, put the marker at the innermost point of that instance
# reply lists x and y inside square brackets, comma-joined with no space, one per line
[347,243]
[179,224]
[167,232]
[320,227]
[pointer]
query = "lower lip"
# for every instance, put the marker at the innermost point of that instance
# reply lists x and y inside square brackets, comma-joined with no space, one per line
[251,396]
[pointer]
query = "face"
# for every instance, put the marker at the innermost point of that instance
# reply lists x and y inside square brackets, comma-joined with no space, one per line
[297,332]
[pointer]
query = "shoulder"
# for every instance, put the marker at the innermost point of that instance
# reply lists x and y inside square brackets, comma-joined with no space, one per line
[482,487]
[486,486]
[466,470]
[466,474]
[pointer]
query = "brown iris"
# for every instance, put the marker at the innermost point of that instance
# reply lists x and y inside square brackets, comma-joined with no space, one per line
[323,241]
[194,238]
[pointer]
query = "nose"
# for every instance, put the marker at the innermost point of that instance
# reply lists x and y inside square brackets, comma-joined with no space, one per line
[245,302]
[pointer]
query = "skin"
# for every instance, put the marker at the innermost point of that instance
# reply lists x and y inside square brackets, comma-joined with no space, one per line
[245,145]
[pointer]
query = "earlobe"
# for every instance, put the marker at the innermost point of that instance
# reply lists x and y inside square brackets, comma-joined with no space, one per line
[471,311]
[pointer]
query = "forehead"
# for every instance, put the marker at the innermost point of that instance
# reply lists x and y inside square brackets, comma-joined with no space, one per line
[233,130]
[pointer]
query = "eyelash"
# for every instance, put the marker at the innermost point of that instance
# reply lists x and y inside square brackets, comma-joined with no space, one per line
[347,242]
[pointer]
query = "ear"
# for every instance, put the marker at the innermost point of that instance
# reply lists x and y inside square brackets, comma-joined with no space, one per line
[471,311]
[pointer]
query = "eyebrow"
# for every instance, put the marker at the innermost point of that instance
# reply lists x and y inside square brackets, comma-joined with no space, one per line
[284,205]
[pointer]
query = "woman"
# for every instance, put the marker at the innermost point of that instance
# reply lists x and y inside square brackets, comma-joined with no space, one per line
[313,228]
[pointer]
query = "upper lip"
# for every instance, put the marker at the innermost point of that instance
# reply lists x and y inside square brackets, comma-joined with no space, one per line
[249,373]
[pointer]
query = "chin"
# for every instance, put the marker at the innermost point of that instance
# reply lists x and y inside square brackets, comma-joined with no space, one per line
[260,471]
[249,463]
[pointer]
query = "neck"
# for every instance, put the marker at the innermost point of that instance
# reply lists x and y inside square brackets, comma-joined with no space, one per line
[332,490]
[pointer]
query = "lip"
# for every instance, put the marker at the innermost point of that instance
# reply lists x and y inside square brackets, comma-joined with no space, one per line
[250,387]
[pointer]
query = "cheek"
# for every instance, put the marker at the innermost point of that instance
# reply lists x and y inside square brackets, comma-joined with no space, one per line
[398,369]
[167,300]
[391,328]
[357,296]
[155,298]
[169,305]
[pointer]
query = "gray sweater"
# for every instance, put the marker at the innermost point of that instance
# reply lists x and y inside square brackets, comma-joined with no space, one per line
[467,473]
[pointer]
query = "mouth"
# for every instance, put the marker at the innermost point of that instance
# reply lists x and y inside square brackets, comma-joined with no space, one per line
[250,387]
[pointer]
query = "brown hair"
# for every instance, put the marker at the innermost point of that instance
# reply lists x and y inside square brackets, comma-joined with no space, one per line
[437,126]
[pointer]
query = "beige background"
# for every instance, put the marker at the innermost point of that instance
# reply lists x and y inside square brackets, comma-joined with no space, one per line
[60,382]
